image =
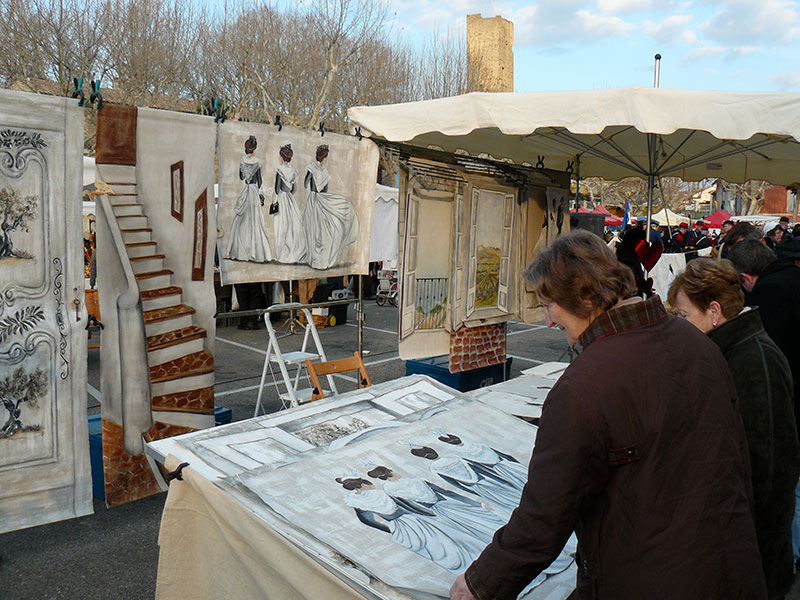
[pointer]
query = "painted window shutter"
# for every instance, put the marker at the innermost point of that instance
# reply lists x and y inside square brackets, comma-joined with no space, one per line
[457,293]
[408,284]
[473,250]
[505,254]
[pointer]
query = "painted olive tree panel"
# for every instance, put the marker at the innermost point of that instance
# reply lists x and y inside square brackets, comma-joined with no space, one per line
[293,204]
[44,459]
[413,505]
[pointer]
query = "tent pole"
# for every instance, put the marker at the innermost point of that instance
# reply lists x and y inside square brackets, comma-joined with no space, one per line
[651,151]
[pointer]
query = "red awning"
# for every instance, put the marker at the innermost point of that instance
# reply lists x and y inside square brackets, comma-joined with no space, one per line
[715,220]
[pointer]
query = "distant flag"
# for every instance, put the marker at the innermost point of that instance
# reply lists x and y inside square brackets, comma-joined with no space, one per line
[626,217]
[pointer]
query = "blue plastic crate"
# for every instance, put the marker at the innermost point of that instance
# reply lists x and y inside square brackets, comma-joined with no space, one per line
[222,415]
[438,368]
[96,456]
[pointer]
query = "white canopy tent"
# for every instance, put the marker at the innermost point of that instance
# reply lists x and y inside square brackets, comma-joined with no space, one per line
[612,133]
[666,216]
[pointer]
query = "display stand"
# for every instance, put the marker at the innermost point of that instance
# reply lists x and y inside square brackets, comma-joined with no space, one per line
[292,395]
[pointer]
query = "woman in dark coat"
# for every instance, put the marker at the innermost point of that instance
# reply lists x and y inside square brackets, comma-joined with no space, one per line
[638,451]
[709,295]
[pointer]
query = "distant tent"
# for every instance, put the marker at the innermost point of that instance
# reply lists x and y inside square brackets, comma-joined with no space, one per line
[715,220]
[611,220]
[665,215]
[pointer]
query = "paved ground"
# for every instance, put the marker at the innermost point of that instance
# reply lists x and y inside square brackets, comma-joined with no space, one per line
[113,554]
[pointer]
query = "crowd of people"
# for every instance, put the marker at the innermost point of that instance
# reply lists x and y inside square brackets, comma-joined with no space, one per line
[670,444]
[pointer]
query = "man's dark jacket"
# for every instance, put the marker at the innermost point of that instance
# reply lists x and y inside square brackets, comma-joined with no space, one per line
[764,386]
[641,451]
[777,295]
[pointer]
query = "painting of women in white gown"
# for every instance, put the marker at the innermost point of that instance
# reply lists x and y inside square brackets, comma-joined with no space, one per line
[330,220]
[311,218]
[290,241]
[415,504]
[248,239]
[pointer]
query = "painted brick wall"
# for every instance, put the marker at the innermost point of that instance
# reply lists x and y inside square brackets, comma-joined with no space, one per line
[476,347]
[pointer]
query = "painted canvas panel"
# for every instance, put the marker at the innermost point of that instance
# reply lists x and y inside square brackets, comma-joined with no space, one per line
[44,467]
[155,290]
[116,135]
[284,437]
[176,182]
[414,505]
[477,347]
[200,237]
[293,204]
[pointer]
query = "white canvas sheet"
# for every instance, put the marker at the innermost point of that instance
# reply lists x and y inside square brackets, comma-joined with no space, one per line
[286,436]
[425,523]
[313,234]
[665,271]
[383,239]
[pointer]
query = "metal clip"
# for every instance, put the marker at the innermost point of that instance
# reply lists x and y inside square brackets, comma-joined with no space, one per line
[278,122]
[176,474]
[570,167]
[539,161]
[358,133]
[321,129]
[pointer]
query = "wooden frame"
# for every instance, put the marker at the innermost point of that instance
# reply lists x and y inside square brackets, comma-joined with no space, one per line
[316,370]
[200,237]
[176,189]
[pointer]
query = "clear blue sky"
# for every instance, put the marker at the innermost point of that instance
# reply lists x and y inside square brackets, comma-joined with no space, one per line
[741,45]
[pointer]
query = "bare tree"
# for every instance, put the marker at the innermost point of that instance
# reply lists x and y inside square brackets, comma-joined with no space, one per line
[150,46]
[54,40]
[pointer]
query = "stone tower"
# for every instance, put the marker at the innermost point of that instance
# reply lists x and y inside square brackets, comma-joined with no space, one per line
[490,54]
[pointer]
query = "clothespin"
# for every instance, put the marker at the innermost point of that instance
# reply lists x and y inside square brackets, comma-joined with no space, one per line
[321,129]
[96,98]
[221,113]
[278,122]
[78,91]
[358,133]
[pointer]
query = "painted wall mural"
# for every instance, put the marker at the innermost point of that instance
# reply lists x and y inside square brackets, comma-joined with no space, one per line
[466,239]
[293,204]
[477,347]
[44,466]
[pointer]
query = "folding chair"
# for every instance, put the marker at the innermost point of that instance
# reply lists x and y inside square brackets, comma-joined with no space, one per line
[316,370]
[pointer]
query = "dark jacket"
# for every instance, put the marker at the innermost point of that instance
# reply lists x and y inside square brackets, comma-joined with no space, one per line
[764,386]
[639,452]
[777,295]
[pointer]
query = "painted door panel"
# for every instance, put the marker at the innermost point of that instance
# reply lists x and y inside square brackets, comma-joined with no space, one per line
[44,456]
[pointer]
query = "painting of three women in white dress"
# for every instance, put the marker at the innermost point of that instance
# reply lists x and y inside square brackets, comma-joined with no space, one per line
[315,235]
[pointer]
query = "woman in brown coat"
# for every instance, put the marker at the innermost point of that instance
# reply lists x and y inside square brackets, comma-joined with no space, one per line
[638,451]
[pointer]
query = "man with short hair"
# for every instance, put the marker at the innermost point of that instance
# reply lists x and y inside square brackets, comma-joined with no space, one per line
[740,231]
[773,284]
[784,223]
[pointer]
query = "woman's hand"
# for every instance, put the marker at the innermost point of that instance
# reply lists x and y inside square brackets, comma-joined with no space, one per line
[459,589]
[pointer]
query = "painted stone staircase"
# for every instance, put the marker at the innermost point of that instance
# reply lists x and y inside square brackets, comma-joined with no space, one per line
[181,372]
